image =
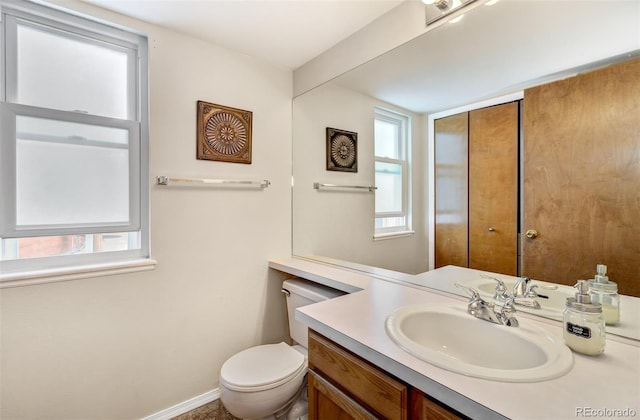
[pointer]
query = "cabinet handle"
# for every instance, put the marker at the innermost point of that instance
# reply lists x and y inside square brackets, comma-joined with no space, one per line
[491,229]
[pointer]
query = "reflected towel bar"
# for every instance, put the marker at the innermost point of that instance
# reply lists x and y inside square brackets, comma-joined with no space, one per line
[165,180]
[317,186]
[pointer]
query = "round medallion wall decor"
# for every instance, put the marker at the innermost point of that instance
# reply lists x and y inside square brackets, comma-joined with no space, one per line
[224,133]
[342,150]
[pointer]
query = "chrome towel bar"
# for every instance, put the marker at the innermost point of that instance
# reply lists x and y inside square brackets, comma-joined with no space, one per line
[165,180]
[318,185]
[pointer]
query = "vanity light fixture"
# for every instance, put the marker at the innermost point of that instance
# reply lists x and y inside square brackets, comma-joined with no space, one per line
[438,9]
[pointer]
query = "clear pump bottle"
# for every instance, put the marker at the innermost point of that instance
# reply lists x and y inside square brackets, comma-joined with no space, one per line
[605,293]
[584,323]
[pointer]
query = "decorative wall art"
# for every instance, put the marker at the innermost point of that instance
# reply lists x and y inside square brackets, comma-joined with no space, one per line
[342,150]
[223,133]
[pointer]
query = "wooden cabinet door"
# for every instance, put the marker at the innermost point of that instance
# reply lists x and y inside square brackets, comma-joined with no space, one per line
[424,408]
[372,387]
[582,177]
[328,402]
[343,386]
[451,191]
[493,188]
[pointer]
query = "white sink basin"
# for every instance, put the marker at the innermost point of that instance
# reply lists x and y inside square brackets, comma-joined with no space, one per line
[450,338]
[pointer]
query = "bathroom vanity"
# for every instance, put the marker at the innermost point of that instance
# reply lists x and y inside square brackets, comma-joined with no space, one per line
[341,383]
[350,351]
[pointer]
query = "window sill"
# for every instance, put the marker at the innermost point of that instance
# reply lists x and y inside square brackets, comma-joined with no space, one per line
[393,235]
[74,273]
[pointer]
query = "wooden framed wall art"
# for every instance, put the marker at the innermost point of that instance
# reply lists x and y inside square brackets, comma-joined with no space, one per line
[342,150]
[223,133]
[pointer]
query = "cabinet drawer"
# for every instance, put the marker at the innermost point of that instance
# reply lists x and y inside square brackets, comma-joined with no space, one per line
[365,383]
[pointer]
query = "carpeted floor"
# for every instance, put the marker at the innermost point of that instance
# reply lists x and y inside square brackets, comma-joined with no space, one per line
[212,411]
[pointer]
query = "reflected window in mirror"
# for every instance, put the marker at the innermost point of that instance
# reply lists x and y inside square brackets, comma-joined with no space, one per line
[391,173]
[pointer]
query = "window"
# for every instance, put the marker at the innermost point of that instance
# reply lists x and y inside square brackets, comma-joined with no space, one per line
[74,142]
[392,169]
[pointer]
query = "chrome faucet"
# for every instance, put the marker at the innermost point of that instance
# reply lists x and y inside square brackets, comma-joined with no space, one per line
[523,292]
[524,288]
[501,312]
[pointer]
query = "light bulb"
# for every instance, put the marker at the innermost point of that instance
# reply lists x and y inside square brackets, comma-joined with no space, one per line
[443,4]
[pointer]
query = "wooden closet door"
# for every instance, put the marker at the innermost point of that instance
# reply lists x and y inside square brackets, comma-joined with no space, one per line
[493,188]
[451,190]
[582,177]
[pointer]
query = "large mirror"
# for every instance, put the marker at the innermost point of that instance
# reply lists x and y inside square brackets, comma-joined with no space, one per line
[489,57]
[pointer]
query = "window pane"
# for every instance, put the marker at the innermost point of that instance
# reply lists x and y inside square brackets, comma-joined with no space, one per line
[390,222]
[66,73]
[389,183]
[74,175]
[53,246]
[386,140]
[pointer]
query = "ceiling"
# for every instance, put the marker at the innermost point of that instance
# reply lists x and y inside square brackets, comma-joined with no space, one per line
[288,33]
[498,50]
[493,51]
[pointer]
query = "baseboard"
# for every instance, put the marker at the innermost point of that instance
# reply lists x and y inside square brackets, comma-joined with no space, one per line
[185,406]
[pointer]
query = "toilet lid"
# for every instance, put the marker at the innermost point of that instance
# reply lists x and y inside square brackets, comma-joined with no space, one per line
[262,367]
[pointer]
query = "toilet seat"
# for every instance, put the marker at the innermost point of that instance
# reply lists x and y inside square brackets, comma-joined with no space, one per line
[262,367]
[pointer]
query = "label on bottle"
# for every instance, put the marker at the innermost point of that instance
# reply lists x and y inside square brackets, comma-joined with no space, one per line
[578,330]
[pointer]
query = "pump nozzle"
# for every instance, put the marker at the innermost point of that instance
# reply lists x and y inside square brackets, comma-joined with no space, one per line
[601,277]
[582,296]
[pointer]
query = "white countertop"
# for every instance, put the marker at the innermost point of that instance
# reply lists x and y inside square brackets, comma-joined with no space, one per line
[356,321]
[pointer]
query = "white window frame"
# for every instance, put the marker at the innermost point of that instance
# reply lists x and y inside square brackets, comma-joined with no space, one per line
[403,122]
[135,45]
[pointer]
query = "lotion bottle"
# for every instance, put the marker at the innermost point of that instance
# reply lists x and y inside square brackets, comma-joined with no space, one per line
[605,293]
[584,323]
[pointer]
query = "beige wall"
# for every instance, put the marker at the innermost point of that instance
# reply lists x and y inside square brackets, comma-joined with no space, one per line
[340,223]
[127,346]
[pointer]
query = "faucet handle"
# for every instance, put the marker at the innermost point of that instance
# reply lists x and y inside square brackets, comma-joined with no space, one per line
[473,293]
[501,288]
[505,311]
[477,306]
[530,292]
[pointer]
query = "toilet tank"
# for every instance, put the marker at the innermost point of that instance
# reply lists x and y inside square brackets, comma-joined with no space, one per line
[300,292]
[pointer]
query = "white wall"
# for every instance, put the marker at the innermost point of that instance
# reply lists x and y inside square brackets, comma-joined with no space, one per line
[127,346]
[340,223]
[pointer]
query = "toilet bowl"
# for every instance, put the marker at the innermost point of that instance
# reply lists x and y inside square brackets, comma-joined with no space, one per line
[262,380]
[265,381]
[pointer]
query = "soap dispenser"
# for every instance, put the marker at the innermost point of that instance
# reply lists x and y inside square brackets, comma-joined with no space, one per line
[605,293]
[584,323]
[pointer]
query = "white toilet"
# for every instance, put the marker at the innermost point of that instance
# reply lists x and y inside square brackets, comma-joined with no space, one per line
[265,381]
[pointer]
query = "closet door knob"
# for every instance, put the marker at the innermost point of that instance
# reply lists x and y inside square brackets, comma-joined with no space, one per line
[491,229]
[532,234]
